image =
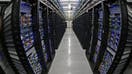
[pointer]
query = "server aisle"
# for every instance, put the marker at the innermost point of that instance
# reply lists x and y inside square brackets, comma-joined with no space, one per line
[70,57]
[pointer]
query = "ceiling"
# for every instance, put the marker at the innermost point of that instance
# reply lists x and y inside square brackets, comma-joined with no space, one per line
[69,7]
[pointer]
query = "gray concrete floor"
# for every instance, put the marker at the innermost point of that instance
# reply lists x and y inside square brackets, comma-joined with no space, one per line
[70,57]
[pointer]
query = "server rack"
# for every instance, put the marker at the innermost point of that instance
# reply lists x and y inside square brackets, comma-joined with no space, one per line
[5,68]
[1,29]
[81,33]
[100,30]
[20,38]
[84,28]
[4,64]
[47,34]
[119,46]
[81,28]
[55,33]
[42,31]
[91,37]
[128,67]
[94,37]
[7,32]
[39,31]
[51,31]
[76,27]
[59,29]
[88,28]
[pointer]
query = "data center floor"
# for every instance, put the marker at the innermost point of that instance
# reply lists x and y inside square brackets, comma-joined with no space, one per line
[70,57]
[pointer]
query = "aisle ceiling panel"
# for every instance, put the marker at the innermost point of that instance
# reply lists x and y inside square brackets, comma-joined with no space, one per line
[69,7]
[74,8]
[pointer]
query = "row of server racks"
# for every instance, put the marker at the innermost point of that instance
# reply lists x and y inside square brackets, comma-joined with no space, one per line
[105,31]
[29,35]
